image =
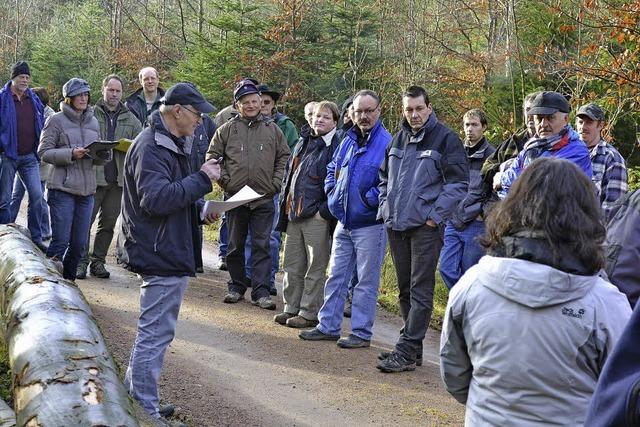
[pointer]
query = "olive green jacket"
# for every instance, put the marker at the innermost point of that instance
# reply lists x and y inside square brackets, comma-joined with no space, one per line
[127,126]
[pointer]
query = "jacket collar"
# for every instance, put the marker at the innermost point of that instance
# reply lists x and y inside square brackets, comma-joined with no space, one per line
[354,132]
[165,139]
[77,116]
[479,153]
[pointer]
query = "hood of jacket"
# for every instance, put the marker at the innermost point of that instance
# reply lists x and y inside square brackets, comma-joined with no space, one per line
[530,283]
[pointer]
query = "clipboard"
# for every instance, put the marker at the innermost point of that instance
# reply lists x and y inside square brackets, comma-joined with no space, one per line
[96,146]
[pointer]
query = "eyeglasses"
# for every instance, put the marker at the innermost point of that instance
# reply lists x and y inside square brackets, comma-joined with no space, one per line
[196,113]
[366,112]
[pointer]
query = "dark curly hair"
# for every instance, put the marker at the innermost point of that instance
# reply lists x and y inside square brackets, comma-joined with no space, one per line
[554,198]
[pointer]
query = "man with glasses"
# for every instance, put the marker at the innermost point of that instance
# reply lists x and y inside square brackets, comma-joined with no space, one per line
[255,153]
[146,100]
[359,240]
[423,176]
[158,237]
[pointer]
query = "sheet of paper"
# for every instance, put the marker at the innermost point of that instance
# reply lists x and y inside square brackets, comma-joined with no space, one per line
[245,195]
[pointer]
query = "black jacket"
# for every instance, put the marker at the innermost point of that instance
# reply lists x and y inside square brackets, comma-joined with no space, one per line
[472,205]
[160,205]
[310,157]
[138,106]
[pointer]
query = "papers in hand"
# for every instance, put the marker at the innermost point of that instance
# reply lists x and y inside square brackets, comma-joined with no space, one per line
[245,195]
[96,146]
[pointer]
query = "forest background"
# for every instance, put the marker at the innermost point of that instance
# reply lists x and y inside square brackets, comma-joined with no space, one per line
[468,53]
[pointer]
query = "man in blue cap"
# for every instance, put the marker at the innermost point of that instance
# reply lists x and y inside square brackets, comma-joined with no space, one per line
[158,238]
[255,153]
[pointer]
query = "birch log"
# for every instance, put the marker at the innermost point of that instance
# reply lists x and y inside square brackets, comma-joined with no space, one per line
[63,374]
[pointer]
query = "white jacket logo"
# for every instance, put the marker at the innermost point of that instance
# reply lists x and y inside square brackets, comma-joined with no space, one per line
[571,313]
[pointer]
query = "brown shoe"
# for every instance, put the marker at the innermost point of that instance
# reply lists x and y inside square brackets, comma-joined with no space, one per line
[283,317]
[300,322]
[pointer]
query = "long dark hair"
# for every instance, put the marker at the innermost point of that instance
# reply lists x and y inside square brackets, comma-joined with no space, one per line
[554,198]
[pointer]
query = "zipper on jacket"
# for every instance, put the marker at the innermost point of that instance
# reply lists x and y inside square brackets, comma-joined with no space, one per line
[632,407]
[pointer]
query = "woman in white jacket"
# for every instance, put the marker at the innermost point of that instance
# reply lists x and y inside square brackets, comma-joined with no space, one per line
[528,329]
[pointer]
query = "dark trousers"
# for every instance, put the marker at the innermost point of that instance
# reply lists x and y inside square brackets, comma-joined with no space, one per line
[239,221]
[415,255]
[107,202]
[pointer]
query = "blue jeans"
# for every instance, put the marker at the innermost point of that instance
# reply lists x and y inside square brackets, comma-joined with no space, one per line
[460,252]
[28,169]
[70,225]
[274,246]
[16,199]
[160,300]
[363,249]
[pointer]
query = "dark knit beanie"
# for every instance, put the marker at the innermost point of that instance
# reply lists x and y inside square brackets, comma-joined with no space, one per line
[20,68]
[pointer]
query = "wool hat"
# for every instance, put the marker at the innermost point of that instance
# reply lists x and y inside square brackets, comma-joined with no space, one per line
[549,103]
[244,87]
[186,94]
[75,86]
[19,68]
[591,110]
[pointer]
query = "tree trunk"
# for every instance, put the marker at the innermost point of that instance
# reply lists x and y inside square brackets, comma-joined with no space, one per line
[7,416]
[63,373]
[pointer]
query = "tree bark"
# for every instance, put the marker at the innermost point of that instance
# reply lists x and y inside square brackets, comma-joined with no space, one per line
[63,373]
[7,416]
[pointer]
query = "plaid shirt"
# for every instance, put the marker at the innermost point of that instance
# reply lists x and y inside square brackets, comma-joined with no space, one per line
[609,174]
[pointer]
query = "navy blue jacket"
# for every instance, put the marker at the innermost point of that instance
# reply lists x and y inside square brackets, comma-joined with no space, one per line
[159,225]
[352,178]
[473,203]
[8,124]
[424,176]
[616,400]
[310,158]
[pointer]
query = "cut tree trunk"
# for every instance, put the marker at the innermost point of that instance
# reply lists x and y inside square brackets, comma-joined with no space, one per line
[63,374]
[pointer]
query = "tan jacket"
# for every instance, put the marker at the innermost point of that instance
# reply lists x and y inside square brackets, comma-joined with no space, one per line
[255,153]
[63,132]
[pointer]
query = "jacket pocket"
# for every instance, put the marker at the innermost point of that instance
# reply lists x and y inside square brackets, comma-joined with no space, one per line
[159,235]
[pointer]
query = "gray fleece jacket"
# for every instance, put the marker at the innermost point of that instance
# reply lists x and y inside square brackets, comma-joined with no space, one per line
[523,343]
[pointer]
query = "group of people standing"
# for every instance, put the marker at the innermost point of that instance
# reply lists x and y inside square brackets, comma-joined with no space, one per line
[339,189]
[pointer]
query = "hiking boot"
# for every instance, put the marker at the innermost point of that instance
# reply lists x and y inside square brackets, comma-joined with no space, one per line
[81,271]
[347,308]
[353,341]
[265,303]
[57,264]
[316,335]
[300,322]
[384,354]
[222,264]
[396,363]
[166,410]
[283,317]
[232,297]
[98,269]
[199,270]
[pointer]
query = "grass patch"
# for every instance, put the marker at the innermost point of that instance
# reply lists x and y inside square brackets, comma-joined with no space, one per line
[5,375]
[388,296]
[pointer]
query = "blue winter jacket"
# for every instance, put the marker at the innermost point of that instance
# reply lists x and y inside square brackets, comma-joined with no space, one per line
[8,124]
[352,178]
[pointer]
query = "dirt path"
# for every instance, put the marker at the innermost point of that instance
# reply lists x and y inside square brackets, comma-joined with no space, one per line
[232,365]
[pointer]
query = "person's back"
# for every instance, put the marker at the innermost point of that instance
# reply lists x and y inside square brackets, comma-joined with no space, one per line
[528,330]
[542,366]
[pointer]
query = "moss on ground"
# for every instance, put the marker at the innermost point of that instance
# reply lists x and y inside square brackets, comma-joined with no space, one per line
[5,375]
